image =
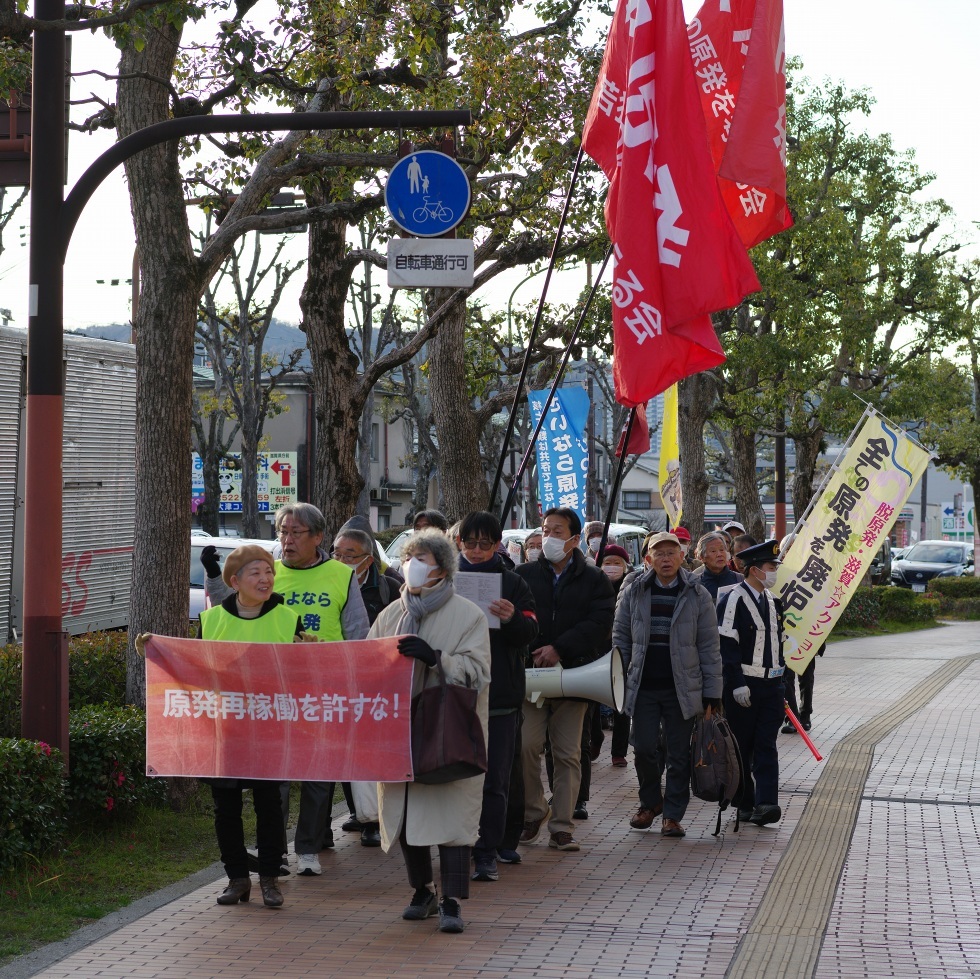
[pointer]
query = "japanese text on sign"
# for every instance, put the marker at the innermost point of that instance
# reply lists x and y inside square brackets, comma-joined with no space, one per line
[835,546]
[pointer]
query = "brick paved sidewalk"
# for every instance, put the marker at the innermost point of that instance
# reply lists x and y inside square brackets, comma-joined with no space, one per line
[872,872]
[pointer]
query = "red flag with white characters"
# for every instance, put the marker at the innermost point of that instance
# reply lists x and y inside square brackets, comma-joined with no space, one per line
[678,255]
[639,434]
[739,55]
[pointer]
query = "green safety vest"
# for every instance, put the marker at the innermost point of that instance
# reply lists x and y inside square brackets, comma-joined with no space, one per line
[277,625]
[317,595]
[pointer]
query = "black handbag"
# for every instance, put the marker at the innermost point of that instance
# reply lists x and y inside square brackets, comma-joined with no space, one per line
[447,737]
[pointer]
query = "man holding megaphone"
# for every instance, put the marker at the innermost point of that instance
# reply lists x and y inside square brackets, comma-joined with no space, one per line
[575,604]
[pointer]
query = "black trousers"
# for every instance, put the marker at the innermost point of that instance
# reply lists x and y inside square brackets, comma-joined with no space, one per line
[620,735]
[514,820]
[454,867]
[756,728]
[502,736]
[805,710]
[231,833]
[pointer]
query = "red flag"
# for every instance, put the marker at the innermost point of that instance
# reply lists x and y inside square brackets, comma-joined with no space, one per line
[639,435]
[739,55]
[683,259]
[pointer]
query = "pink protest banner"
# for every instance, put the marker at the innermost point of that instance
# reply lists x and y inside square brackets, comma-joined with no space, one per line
[335,711]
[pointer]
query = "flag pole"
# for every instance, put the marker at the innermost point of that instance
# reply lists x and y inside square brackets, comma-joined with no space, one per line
[526,458]
[615,486]
[518,393]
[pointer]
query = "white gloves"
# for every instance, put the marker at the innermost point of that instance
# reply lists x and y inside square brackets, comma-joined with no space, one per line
[742,698]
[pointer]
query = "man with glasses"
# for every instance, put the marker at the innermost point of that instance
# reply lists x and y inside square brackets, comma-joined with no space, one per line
[327,598]
[478,541]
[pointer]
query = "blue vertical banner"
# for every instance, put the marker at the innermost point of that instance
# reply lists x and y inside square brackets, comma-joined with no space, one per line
[562,450]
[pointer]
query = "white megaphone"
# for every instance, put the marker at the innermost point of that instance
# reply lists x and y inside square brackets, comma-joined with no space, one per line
[601,681]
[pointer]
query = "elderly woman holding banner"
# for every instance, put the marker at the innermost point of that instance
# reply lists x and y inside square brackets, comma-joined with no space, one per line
[436,624]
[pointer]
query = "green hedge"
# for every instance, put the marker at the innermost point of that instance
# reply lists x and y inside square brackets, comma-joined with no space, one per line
[96,675]
[107,761]
[864,609]
[32,787]
[964,608]
[954,588]
[903,605]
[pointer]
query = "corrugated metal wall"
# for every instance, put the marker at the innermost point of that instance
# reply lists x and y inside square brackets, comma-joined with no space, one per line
[11,384]
[98,482]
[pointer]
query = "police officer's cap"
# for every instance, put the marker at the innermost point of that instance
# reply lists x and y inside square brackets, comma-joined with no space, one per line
[761,554]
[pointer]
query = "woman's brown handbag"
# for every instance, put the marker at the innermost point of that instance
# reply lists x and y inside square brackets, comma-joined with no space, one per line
[447,737]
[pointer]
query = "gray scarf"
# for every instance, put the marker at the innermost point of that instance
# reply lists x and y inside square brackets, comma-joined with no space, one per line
[416,607]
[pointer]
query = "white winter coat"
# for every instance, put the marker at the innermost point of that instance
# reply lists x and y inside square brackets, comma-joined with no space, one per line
[446,814]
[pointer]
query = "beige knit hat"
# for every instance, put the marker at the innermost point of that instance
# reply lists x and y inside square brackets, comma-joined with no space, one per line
[243,555]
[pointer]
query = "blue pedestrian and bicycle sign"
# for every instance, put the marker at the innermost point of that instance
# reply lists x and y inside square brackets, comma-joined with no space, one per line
[427,193]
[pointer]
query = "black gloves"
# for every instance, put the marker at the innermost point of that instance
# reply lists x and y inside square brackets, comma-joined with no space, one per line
[713,702]
[418,649]
[209,558]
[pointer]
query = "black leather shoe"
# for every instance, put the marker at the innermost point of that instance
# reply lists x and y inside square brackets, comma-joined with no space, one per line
[371,835]
[352,825]
[580,812]
[788,728]
[764,815]
[744,815]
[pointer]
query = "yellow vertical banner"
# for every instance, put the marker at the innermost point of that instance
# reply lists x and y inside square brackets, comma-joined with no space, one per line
[844,529]
[670,466]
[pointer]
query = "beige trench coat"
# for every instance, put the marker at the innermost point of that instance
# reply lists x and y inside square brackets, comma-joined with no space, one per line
[447,814]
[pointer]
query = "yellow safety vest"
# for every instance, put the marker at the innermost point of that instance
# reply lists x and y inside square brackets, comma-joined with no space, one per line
[277,625]
[317,595]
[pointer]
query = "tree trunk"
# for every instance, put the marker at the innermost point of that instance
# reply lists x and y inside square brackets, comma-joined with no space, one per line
[251,426]
[250,478]
[336,388]
[164,351]
[464,486]
[208,512]
[747,500]
[364,456]
[807,453]
[695,400]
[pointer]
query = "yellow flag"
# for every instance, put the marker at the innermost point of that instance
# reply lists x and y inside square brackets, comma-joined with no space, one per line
[838,540]
[670,466]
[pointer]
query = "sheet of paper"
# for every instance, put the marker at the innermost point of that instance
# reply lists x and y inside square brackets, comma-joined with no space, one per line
[482,589]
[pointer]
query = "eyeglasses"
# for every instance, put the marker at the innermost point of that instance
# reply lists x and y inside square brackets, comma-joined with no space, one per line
[353,558]
[283,534]
[472,544]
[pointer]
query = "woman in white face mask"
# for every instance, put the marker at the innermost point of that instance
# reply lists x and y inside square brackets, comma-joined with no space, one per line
[532,546]
[436,624]
[616,565]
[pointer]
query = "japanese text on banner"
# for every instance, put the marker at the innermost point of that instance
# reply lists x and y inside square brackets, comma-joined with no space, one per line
[298,712]
[562,450]
[837,543]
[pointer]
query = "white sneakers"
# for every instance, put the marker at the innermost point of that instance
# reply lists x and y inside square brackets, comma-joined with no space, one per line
[309,864]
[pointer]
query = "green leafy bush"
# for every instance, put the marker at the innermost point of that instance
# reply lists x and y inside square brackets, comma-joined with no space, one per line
[864,609]
[97,669]
[903,605]
[966,587]
[10,680]
[32,787]
[107,754]
[964,608]
[96,675]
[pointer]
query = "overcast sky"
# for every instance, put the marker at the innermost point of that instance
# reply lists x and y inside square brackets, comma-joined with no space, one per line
[918,60]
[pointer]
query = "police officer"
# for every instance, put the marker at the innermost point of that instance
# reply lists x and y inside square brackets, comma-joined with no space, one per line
[750,624]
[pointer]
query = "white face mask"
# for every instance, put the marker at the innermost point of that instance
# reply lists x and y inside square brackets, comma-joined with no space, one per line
[684,549]
[533,553]
[767,579]
[594,543]
[416,572]
[614,571]
[554,549]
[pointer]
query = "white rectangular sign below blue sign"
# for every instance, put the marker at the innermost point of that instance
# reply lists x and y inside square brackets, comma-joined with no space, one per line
[423,263]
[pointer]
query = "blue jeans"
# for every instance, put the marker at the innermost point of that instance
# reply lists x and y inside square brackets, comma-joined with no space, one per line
[654,708]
